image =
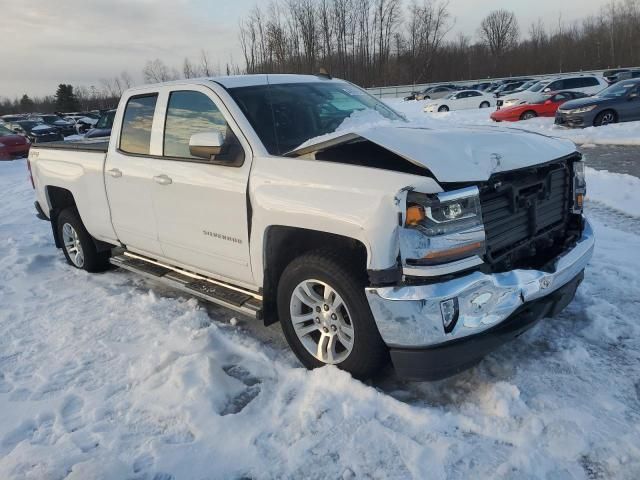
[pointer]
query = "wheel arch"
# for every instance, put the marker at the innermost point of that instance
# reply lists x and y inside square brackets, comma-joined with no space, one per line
[282,244]
[58,199]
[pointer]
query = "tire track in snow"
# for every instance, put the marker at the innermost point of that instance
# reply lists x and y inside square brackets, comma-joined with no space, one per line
[612,218]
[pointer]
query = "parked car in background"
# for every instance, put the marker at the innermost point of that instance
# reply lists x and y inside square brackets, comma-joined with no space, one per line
[618,103]
[612,75]
[479,86]
[433,93]
[12,145]
[103,127]
[82,123]
[65,127]
[36,132]
[12,118]
[626,75]
[588,84]
[463,100]
[543,106]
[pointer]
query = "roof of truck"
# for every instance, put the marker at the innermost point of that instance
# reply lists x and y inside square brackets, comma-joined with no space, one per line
[233,81]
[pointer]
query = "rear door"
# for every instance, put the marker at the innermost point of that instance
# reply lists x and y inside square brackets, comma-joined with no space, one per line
[201,206]
[129,172]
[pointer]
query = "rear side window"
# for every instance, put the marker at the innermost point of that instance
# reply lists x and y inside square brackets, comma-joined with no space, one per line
[590,82]
[136,124]
[557,85]
[188,113]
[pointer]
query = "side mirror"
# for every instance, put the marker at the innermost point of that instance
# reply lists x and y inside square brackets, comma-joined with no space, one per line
[206,144]
[547,89]
[634,96]
[548,102]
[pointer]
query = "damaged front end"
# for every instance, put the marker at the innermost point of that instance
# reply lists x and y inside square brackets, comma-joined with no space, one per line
[483,262]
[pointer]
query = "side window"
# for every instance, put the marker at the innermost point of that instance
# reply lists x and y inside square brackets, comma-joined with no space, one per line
[474,94]
[573,83]
[557,85]
[591,82]
[136,124]
[188,113]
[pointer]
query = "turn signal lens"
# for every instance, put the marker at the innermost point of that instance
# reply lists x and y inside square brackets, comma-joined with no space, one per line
[415,214]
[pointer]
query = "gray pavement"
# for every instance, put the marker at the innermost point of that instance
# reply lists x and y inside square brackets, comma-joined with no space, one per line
[615,158]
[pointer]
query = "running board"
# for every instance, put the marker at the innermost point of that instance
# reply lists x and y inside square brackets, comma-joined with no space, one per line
[229,296]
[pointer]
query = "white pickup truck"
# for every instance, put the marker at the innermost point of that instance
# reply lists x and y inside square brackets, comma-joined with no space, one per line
[426,247]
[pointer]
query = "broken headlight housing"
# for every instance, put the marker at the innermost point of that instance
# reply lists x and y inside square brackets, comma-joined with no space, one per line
[451,222]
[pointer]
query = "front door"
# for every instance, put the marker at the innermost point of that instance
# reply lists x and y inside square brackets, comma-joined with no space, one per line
[128,177]
[201,204]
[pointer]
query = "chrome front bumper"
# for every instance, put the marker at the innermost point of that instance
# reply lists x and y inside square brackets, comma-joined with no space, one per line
[409,316]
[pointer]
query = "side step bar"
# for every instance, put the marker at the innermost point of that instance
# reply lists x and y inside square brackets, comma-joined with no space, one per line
[229,296]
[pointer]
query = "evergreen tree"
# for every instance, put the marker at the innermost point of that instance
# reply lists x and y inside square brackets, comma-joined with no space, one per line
[26,104]
[66,100]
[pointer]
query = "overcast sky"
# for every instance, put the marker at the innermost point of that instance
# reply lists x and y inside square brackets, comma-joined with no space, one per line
[47,42]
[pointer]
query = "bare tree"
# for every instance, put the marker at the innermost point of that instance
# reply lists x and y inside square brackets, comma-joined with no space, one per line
[499,31]
[156,71]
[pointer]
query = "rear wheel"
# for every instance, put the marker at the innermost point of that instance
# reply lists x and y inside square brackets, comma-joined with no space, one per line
[443,108]
[528,115]
[605,118]
[485,105]
[325,315]
[77,244]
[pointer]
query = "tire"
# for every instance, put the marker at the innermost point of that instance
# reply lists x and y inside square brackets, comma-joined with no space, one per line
[443,108]
[485,105]
[77,244]
[347,313]
[605,118]
[528,115]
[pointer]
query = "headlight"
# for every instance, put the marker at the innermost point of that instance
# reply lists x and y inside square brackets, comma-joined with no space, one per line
[583,109]
[451,222]
[579,186]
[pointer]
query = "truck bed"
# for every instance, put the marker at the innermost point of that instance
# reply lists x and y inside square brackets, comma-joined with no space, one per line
[99,145]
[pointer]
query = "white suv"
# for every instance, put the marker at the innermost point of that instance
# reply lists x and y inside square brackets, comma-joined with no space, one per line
[587,84]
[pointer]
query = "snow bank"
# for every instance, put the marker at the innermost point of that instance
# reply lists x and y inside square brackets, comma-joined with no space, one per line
[616,190]
[627,133]
[107,376]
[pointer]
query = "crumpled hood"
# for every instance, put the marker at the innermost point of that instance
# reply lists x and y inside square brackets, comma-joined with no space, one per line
[464,154]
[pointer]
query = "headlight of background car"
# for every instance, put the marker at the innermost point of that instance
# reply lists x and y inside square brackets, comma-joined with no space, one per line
[452,223]
[583,109]
[579,186]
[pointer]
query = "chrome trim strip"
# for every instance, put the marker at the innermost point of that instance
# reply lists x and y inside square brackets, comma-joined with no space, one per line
[443,269]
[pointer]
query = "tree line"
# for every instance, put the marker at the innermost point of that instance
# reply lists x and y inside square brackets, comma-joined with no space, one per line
[384,42]
[391,42]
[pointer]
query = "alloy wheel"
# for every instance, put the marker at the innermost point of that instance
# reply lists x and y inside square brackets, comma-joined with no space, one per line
[322,321]
[72,245]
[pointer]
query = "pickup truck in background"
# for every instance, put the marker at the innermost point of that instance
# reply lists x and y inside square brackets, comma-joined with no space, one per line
[384,242]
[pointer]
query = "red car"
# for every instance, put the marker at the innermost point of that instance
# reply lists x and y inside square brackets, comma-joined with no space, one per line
[543,106]
[13,145]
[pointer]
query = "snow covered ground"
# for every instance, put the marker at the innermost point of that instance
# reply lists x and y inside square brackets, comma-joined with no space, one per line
[626,133]
[109,377]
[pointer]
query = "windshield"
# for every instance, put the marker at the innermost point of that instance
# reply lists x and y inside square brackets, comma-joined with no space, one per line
[106,120]
[536,87]
[50,118]
[286,115]
[539,99]
[28,125]
[617,90]
[450,96]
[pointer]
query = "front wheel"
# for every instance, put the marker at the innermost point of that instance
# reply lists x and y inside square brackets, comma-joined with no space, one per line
[443,108]
[605,118]
[77,244]
[325,315]
[528,115]
[485,105]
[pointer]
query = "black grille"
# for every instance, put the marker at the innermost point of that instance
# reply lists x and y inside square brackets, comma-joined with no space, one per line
[526,214]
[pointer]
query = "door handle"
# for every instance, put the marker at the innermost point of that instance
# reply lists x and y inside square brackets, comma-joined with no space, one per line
[115,173]
[163,179]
